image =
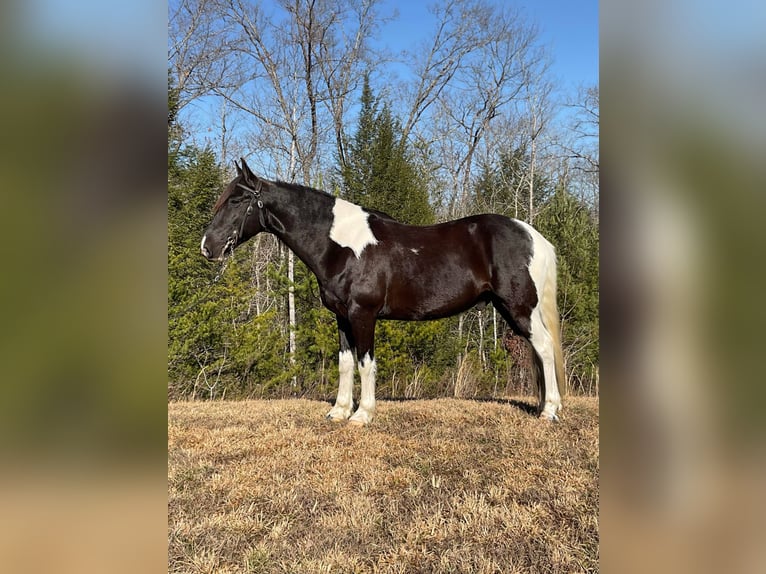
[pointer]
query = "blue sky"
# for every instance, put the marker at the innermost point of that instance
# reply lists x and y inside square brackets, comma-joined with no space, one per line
[569,28]
[118,30]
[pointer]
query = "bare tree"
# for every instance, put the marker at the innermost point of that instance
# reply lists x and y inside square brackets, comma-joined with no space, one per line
[475,67]
[584,126]
[580,147]
[438,60]
[495,78]
[538,114]
[196,40]
[287,74]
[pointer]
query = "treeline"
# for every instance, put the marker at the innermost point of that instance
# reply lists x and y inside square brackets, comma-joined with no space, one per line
[256,327]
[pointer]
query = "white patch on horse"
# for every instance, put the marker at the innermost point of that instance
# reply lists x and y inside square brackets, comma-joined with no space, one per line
[366,411]
[415,251]
[202,245]
[344,404]
[543,255]
[350,227]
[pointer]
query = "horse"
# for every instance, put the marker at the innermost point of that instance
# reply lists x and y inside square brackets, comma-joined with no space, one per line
[370,267]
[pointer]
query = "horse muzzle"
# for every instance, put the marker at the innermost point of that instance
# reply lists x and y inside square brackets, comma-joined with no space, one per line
[208,248]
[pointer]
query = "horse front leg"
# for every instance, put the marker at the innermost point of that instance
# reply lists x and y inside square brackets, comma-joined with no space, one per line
[344,403]
[363,328]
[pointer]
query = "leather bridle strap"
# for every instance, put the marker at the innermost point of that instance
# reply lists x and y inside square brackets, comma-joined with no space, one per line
[255,195]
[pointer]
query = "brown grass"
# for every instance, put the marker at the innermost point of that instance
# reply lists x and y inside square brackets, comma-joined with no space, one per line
[432,486]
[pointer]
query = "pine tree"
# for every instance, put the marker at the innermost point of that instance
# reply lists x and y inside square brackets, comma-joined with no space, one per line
[380,172]
[571,226]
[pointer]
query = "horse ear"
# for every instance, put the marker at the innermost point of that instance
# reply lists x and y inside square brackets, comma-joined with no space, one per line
[239,169]
[249,175]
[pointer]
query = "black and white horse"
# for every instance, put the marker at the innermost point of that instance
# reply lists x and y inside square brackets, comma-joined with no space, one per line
[372,267]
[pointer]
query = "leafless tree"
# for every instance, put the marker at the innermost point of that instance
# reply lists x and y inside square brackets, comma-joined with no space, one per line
[476,65]
[288,73]
[196,40]
[580,145]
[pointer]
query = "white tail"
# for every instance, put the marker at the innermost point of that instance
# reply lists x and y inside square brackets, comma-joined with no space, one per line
[545,329]
[551,321]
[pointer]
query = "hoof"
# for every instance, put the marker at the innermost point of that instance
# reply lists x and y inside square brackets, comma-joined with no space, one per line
[549,412]
[361,418]
[338,415]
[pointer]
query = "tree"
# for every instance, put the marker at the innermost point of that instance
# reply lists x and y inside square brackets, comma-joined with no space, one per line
[468,77]
[380,172]
[572,227]
[580,147]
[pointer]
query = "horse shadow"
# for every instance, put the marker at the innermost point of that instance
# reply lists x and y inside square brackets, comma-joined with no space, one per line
[524,406]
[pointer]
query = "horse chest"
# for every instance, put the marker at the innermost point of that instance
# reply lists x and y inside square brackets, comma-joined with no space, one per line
[357,284]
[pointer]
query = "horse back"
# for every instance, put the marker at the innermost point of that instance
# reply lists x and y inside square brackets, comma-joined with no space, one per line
[425,272]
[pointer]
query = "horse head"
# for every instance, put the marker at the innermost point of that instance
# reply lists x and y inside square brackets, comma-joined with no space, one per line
[237,215]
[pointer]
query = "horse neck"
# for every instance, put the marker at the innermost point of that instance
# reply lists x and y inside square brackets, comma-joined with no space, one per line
[306,216]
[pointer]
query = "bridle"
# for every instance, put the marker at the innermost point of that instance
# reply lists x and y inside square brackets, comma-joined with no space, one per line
[255,197]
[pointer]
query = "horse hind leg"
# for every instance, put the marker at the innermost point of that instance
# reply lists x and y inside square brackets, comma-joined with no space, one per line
[529,324]
[543,344]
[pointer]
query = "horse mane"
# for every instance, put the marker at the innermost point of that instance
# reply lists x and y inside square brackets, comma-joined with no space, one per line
[294,187]
[301,188]
[304,188]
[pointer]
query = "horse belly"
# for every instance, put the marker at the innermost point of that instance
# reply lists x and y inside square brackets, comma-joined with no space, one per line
[434,298]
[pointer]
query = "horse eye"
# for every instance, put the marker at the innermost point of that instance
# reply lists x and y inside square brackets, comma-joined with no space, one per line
[235,200]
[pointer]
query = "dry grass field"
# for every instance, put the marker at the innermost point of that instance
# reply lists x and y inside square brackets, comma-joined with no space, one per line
[433,486]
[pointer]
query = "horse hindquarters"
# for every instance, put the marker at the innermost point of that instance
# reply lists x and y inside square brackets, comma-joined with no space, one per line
[527,301]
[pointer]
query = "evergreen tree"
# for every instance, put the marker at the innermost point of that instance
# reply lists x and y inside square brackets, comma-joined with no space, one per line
[571,226]
[216,344]
[380,172]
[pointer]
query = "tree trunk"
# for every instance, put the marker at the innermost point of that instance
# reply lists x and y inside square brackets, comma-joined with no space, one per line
[291,308]
[532,161]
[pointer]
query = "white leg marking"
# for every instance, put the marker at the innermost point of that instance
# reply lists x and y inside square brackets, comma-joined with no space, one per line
[344,404]
[543,344]
[366,411]
[350,227]
[202,245]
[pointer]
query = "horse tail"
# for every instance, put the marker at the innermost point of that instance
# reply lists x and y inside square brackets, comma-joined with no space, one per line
[550,314]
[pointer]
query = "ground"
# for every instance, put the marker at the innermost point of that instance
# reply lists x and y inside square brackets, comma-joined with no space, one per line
[431,486]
